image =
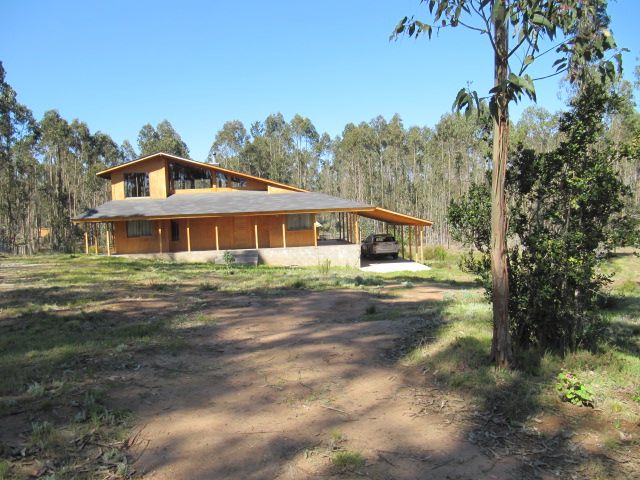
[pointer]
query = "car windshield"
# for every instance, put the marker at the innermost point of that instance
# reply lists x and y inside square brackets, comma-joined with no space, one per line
[383,238]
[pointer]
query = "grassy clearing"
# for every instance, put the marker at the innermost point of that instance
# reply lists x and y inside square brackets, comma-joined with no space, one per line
[61,343]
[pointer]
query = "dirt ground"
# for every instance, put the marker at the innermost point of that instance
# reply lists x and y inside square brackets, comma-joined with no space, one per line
[276,386]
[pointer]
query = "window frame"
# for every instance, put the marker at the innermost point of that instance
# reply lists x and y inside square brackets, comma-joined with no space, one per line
[187,177]
[141,233]
[303,226]
[133,185]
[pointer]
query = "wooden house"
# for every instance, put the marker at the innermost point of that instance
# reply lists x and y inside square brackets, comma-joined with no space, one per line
[171,207]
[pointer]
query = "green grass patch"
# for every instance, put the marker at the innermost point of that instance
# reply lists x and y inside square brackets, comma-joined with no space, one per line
[348,461]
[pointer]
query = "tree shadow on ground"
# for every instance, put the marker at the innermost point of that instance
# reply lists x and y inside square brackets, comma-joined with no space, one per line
[204,371]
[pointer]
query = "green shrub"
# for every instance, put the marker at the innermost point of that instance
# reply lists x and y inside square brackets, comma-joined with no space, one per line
[573,390]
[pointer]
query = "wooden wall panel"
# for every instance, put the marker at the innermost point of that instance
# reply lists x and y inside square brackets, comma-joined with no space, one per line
[233,233]
[124,244]
[157,170]
[243,232]
[202,234]
[117,186]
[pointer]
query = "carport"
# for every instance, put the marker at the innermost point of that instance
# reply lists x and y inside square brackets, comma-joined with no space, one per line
[411,228]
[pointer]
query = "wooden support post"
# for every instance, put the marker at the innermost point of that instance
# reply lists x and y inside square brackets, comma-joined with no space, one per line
[108,243]
[402,238]
[410,245]
[255,230]
[86,241]
[95,237]
[357,228]
[341,221]
[217,238]
[188,235]
[351,228]
[315,232]
[421,245]
[160,234]
[346,226]
[284,235]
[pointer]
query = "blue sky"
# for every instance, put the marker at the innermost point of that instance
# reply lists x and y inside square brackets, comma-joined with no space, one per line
[120,64]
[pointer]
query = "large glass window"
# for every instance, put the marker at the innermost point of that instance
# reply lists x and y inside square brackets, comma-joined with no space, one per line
[175,231]
[188,177]
[136,184]
[237,182]
[221,180]
[299,222]
[139,228]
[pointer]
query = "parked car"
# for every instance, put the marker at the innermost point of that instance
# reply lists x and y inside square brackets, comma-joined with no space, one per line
[378,245]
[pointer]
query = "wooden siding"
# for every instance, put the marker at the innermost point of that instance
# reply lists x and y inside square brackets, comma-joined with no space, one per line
[125,244]
[233,233]
[157,170]
[272,189]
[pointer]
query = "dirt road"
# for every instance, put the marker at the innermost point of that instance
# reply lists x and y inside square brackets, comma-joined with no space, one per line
[275,387]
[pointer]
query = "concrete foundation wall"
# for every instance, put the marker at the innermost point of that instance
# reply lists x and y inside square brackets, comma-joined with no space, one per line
[338,255]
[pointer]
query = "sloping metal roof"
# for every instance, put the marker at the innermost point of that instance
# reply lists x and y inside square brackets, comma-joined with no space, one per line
[218,203]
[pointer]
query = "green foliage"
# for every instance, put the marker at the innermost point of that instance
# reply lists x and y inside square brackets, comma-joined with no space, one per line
[572,390]
[229,260]
[348,461]
[468,217]
[584,26]
[5,469]
[437,253]
[163,138]
[562,207]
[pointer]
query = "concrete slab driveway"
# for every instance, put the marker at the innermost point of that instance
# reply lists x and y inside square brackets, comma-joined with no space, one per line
[386,265]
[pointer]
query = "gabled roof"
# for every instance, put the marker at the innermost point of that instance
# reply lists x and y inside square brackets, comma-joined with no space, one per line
[242,202]
[107,173]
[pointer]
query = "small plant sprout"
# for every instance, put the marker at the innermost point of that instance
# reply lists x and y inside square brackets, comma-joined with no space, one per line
[324,267]
[229,260]
[573,390]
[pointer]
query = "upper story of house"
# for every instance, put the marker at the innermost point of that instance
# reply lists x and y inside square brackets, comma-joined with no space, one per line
[161,175]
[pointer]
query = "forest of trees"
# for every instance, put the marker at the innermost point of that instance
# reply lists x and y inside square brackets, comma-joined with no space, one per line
[48,166]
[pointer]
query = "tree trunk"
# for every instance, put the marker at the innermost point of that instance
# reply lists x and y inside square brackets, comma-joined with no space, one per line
[501,351]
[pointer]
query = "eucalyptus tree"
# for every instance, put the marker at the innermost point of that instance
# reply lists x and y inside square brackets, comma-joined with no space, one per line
[56,152]
[537,129]
[128,152]
[162,138]
[516,31]
[228,145]
[277,133]
[18,132]
[305,137]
